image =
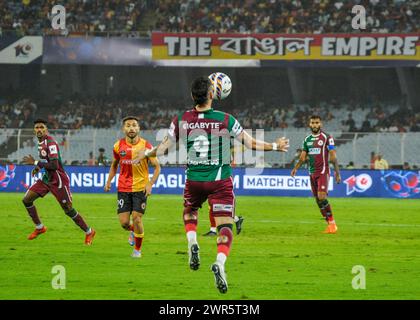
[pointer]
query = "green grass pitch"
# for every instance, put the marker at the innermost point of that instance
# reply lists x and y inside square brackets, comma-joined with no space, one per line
[281,253]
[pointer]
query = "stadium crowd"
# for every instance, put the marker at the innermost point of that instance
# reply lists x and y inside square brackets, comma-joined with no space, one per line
[28,17]
[157,113]
[290,16]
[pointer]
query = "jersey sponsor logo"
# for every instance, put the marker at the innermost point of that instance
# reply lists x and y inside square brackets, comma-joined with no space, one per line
[217,207]
[310,143]
[127,161]
[53,149]
[314,150]
[359,183]
[214,162]
[201,125]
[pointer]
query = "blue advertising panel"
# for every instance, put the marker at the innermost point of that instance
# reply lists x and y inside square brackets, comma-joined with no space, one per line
[97,50]
[267,182]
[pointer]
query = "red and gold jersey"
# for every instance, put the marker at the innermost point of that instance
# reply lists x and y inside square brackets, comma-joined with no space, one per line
[133,177]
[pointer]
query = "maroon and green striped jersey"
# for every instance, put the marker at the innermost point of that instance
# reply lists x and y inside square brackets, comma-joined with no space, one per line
[49,150]
[207,137]
[317,148]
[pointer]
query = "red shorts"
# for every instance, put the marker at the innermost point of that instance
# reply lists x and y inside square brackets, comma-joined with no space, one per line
[319,183]
[219,194]
[61,191]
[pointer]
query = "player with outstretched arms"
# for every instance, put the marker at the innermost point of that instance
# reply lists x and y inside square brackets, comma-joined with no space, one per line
[206,133]
[320,149]
[134,185]
[55,179]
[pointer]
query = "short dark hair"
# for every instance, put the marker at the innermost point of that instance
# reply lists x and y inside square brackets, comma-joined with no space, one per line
[315,116]
[130,118]
[199,89]
[39,120]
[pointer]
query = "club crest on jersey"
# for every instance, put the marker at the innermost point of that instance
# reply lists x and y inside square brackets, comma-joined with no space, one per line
[123,153]
[43,153]
[320,142]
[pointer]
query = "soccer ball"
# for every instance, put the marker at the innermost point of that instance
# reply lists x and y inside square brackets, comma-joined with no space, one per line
[222,86]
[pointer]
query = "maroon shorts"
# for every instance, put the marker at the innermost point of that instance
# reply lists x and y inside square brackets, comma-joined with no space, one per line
[319,183]
[60,191]
[219,194]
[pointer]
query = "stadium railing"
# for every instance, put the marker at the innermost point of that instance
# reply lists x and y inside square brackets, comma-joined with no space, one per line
[356,147]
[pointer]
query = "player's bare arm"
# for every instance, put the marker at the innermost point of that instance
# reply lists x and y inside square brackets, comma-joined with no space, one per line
[112,172]
[29,160]
[281,144]
[155,163]
[302,159]
[157,151]
[334,161]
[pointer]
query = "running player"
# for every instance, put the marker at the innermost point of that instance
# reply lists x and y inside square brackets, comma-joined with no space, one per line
[133,183]
[55,179]
[206,133]
[319,147]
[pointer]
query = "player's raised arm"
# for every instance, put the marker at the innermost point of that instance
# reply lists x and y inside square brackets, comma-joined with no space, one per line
[157,151]
[302,159]
[167,142]
[155,163]
[281,144]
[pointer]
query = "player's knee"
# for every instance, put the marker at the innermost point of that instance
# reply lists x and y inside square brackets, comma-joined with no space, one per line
[27,203]
[125,225]
[322,196]
[225,225]
[190,213]
[66,206]
[137,219]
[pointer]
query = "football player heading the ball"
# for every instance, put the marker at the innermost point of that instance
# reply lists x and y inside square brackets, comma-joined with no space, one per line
[207,135]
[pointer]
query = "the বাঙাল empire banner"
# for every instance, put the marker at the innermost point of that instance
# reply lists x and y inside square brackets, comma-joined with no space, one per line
[328,47]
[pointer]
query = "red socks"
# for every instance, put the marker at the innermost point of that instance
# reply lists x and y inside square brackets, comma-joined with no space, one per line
[224,240]
[138,238]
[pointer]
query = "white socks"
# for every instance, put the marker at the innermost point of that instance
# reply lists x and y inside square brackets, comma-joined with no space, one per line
[39,226]
[236,219]
[192,238]
[221,258]
[213,229]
